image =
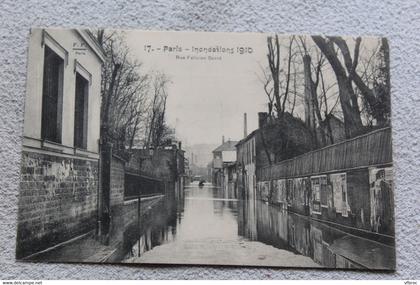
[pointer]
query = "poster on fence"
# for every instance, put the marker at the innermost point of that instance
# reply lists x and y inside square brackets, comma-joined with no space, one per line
[381,192]
[339,186]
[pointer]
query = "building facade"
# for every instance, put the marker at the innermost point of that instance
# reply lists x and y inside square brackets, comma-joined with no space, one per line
[223,156]
[246,166]
[59,172]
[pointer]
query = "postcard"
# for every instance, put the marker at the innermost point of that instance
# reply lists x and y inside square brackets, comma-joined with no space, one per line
[205,148]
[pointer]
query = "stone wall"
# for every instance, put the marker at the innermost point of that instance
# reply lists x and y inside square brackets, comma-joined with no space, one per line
[117,182]
[116,199]
[58,200]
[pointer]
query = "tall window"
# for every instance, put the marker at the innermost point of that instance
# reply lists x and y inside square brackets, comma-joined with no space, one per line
[52,95]
[80,112]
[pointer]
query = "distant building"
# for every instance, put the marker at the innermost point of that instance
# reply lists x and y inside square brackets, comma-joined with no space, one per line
[337,128]
[226,152]
[200,154]
[59,177]
[229,180]
[246,165]
[273,141]
[222,156]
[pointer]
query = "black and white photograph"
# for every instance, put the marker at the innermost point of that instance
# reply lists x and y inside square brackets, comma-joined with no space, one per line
[207,148]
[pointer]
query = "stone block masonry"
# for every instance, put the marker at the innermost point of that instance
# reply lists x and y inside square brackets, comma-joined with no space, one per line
[58,200]
[116,202]
[117,182]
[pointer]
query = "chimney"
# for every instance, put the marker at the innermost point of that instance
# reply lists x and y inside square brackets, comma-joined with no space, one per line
[245,126]
[308,93]
[179,145]
[262,119]
[223,139]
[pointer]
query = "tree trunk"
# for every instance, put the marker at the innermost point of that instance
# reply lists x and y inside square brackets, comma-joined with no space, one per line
[311,103]
[108,100]
[351,112]
[352,120]
[274,63]
[329,129]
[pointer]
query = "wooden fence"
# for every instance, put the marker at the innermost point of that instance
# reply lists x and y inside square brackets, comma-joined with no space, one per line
[374,148]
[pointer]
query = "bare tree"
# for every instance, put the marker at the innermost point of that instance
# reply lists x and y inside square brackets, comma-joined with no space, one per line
[314,92]
[369,80]
[376,96]
[348,98]
[360,86]
[274,65]
[324,105]
[280,87]
[157,130]
[124,92]
[266,81]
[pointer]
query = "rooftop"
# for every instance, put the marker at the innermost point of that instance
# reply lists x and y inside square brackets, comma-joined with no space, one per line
[248,137]
[226,146]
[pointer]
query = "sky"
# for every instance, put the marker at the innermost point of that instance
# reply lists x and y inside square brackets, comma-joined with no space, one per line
[207,97]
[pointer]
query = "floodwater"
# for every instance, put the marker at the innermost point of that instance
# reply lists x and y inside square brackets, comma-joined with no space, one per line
[206,227]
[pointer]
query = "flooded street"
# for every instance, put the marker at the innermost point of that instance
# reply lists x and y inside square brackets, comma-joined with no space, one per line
[208,226]
[207,149]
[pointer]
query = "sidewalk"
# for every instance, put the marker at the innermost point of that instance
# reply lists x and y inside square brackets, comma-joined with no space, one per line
[87,248]
[84,249]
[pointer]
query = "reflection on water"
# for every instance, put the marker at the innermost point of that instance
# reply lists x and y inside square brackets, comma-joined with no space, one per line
[207,213]
[157,226]
[292,232]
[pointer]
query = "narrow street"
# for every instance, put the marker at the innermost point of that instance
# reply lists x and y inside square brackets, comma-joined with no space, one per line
[207,225]
[186,161]
[213,237]
[238,233]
